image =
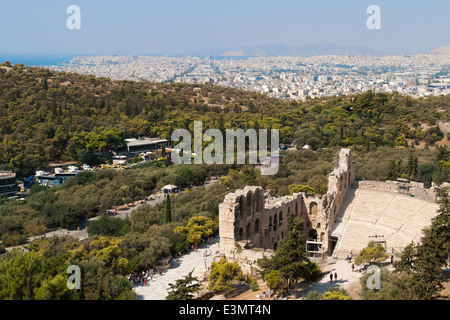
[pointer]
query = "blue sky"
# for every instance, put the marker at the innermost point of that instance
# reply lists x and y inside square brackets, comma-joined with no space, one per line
[196,26]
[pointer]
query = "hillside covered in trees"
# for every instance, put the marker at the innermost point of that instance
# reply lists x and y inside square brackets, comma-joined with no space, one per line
[47,116]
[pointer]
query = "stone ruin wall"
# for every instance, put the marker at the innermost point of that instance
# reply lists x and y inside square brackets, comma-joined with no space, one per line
[248,221]
[393,186]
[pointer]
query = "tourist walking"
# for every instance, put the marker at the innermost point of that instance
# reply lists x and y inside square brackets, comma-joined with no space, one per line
[331,276]
[335,276]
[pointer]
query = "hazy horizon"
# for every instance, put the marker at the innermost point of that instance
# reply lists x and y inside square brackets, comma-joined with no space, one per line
[202,27]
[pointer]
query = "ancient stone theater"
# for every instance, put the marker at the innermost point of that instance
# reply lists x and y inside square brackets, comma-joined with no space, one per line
[340,222]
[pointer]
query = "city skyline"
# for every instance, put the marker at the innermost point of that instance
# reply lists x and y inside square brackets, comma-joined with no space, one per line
[212,27]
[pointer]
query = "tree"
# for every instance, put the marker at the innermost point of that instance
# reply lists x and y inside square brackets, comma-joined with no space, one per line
[198,228]
[20,274]
[184,289]
[314,295]
[406,262]
[412,165]
[443,153]
[374,252]
[291,258]
[433,252]
[167,211]
[35,228]
[52,288]
[295,188]
[108,226]
[223,274]
[274,281]
[426,172]
[394,286]
[336,293]
[392,172]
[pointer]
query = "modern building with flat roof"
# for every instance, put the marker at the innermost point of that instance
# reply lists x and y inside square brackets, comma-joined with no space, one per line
[7,183]
[145,144]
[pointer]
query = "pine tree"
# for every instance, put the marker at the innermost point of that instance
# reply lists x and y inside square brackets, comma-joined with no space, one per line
[412,165]
[400,167]
[392,171]
[415,166]
[432,253]
[184,289]
[291,258]
[168,211]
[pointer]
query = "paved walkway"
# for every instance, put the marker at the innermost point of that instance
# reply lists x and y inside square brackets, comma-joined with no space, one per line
[81,234]
[157,289]
[345,278]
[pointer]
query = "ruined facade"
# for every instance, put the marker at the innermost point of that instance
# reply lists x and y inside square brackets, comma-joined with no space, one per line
[250,220]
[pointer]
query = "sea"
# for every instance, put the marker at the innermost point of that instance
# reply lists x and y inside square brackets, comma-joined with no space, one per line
[34,60]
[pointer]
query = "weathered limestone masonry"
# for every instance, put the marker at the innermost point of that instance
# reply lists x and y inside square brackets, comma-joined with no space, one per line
[410,187]
[248,221]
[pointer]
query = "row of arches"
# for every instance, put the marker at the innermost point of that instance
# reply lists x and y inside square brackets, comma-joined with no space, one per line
[256,230]
[249,231]
[245,207]
[250,203]
[274,224]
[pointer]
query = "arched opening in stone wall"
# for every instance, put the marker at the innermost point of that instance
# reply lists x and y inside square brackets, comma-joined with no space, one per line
[270,224]
[240,234]
[281,217]
[247,231]
[312,235]
[275,246]
[275,222]
[241,207]
[313,208]
[303,209]
[256,228]
[249,204]
[257,201]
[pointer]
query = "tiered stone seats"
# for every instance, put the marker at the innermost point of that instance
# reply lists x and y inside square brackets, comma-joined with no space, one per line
[397,218]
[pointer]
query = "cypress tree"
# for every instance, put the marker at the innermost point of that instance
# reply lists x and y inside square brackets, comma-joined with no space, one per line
[168,211]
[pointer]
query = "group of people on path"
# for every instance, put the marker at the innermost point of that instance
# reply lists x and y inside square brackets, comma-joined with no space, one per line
[141,278]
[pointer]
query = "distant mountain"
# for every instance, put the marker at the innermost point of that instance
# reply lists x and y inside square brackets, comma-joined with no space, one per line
[441,50]
[307,50]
